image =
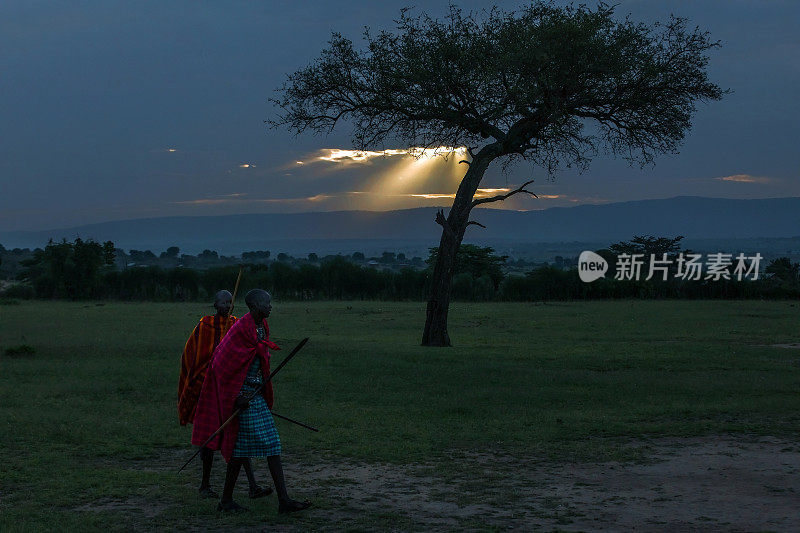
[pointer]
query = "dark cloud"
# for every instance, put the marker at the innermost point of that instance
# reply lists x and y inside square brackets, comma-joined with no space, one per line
[128,109]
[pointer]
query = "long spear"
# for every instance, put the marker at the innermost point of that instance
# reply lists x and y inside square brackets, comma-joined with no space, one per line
[250,397]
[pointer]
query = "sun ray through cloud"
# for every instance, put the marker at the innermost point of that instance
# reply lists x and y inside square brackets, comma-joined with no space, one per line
[745,178]
[397,171]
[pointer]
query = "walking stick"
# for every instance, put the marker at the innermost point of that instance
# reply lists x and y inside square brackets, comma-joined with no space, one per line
[250,397]
[236,289]
[294,421]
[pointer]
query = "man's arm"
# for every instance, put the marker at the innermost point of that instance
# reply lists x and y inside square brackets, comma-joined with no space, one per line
[241,403]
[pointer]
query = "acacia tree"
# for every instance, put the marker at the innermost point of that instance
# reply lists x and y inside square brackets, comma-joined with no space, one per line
[546,84]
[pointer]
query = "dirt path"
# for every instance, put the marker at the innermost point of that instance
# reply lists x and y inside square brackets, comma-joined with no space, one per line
[719,483]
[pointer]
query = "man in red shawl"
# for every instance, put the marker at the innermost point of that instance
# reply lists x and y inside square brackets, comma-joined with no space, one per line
[196,355]
[239,368]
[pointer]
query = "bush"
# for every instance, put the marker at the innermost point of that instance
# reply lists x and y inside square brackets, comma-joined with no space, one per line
[484,288]
[19,351]
[22,291]
[462,286]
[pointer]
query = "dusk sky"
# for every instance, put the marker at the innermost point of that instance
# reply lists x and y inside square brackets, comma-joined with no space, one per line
[116,110]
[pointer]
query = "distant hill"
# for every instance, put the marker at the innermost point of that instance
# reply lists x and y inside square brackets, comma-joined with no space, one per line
[329,232]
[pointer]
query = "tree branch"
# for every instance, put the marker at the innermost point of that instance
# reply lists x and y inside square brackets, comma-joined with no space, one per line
[442,221]
[509,194]
[476,223]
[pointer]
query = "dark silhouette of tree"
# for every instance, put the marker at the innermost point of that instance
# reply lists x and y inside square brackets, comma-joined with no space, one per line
[171,253]
[783,269]
[208,255]
[256,256]
[109,253]
[546,84]
[647,244]
[69,269]
[142,256]
[475,261]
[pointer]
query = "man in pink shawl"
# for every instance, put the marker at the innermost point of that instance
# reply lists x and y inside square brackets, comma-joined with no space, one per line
[240,366]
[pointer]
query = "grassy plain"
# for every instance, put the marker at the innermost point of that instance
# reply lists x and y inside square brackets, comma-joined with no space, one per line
[89,438]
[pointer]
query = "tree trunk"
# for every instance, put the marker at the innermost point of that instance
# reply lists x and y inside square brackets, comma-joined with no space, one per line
[435,333]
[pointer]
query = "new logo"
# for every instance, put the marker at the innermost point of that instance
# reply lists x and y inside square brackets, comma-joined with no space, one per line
[591,266]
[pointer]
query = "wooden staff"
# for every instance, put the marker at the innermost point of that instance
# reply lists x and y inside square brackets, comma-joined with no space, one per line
[236,289]
[294,421]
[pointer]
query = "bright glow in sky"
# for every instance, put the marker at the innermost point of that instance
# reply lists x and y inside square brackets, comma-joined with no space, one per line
[339,155]
[746,178]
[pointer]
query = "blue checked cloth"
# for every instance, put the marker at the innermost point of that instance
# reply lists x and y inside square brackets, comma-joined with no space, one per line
[258,436]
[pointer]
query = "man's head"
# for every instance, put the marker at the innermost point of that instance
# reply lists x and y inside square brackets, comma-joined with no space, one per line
[259,303]
[223,301]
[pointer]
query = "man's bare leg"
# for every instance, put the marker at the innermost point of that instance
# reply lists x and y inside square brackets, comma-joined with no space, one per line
[255,490]
[226,503]
[207,457]
[285,503]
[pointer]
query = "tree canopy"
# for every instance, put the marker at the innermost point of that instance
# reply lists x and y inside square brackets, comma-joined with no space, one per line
[547,83]
[647,244]
[475,260]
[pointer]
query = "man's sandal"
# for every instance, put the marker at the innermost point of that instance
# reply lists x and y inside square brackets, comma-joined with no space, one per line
[231,507]
[292,506]
[260,492]
[206,492]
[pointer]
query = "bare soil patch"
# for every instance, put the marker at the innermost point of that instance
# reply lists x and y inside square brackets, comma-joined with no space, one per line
[690,484]
[721,483]
[135,506]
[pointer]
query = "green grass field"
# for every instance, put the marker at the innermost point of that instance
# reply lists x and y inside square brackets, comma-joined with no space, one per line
[90,438]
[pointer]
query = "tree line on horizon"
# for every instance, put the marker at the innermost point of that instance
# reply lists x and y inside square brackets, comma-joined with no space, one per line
[89,270]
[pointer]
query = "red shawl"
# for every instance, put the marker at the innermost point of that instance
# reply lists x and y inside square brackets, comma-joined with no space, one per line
[224,380]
